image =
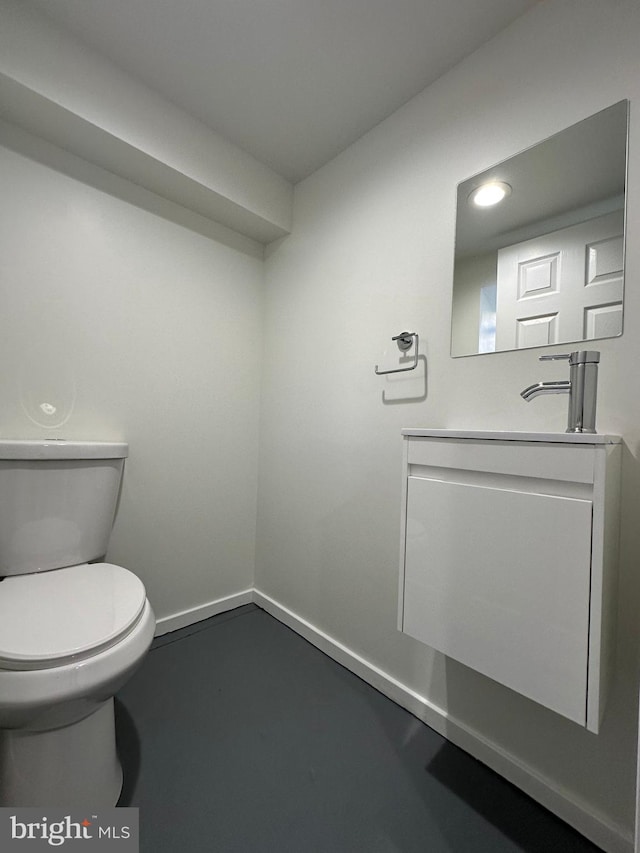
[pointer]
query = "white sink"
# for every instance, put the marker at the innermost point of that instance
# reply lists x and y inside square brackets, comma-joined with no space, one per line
[511,435]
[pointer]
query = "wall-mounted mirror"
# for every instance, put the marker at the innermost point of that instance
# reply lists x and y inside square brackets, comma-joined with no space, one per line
[539,253]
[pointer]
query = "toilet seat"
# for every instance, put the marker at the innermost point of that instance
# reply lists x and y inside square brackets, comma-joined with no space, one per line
[50,619]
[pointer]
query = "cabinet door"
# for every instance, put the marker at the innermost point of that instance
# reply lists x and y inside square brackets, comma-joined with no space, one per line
[499,580]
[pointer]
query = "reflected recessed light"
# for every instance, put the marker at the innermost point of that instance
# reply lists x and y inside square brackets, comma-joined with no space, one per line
[489,194]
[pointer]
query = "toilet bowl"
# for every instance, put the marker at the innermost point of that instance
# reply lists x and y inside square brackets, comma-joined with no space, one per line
[71,634]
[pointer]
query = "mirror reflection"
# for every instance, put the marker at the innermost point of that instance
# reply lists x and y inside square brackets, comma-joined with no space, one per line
[539,254]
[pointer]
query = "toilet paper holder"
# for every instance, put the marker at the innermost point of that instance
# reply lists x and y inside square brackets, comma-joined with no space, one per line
[405,342]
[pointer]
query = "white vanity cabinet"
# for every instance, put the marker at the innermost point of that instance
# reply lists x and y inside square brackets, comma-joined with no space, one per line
[508,559]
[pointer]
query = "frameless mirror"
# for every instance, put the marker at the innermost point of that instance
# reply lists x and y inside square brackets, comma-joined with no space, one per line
[544,263]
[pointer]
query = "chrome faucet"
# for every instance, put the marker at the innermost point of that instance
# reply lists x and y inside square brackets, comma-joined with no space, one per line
[582,388]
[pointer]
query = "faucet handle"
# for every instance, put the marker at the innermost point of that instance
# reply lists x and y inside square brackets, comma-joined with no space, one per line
[588,356]
[558,356]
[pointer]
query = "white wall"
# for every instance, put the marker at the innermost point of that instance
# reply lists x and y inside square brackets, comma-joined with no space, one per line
[371,254]
[134,327]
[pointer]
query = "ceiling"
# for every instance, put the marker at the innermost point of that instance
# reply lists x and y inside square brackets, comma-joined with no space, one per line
[292,82]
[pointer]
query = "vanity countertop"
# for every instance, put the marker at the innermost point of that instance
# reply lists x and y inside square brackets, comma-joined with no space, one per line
[510,435]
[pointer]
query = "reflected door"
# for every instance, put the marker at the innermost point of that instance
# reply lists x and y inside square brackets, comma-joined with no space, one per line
[563,286]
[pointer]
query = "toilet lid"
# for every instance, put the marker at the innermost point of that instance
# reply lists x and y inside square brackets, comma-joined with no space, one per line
[51,618]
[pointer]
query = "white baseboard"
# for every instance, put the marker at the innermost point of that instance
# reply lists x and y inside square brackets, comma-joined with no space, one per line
[202,611]
[601,831]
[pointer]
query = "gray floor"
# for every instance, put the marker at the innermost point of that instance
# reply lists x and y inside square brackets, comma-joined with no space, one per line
[238,736]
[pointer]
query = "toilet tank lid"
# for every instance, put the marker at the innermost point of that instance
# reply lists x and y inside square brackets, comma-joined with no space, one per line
[58,448]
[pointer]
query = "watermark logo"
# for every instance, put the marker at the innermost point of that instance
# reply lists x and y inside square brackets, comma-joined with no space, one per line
[26,830]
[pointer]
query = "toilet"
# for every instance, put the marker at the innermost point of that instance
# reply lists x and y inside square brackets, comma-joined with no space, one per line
[72,629]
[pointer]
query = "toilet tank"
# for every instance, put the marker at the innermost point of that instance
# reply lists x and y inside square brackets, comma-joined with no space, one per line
[57,502]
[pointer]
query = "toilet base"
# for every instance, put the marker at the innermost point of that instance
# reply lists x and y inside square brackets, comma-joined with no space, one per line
[74,767]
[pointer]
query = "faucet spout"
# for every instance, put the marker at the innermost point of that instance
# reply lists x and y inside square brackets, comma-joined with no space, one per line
[562,386]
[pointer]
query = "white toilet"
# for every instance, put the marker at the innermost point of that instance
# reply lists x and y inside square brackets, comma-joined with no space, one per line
[71,631]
